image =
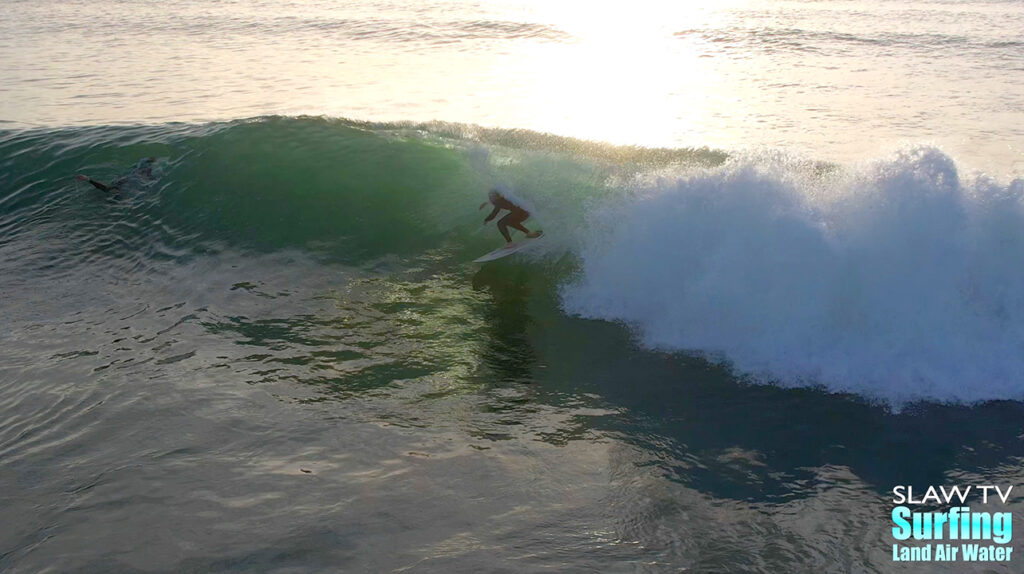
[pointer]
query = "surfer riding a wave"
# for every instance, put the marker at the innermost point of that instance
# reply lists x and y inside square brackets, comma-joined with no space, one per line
[514,219]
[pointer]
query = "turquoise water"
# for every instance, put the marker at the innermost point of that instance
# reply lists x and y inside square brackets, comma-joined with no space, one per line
[271,353]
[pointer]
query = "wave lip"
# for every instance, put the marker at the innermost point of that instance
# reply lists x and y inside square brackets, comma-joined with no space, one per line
[899,282]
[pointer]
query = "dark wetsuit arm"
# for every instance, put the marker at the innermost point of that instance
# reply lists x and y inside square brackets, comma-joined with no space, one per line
[101,186]
[493,214]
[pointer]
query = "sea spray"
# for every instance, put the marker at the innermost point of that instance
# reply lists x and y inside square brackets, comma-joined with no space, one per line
[898,281]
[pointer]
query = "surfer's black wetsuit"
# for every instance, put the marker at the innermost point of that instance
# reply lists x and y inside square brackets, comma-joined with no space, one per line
[514,219]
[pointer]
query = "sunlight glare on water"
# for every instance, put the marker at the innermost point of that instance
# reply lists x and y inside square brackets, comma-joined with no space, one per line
[831,79]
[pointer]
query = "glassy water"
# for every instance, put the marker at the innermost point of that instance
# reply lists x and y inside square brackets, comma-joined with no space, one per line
[269,352]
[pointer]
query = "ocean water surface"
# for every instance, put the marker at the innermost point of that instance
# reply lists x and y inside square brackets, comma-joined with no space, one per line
[780,276]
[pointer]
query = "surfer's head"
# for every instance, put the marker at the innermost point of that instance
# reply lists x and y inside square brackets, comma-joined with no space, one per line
[493,195]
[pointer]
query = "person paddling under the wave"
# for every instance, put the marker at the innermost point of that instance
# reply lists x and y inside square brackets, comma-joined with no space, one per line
[140,174]
[514,219]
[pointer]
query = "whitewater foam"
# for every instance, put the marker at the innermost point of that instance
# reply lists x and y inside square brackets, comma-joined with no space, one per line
[898,280]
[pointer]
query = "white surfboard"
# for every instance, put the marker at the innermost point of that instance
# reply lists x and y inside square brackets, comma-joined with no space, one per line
[508,249]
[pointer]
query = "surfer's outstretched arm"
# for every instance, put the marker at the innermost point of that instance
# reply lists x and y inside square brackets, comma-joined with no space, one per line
[96,184]
[494,213]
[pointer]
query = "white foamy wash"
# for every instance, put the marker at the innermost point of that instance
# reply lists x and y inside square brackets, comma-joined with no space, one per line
[900,281]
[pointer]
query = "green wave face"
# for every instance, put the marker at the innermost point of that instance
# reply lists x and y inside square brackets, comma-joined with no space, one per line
[350,190]
[298,183]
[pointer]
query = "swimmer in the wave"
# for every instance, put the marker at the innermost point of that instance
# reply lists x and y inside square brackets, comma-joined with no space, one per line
[140,174]
[514,219]
[98,185]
